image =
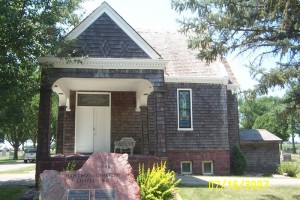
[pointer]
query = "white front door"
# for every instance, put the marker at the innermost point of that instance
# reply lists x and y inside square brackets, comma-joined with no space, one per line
[93,124]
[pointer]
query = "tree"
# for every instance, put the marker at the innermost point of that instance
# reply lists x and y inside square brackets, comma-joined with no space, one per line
[33,28]
[266,28]
[264,113]
[274,121]
[292,104]
[16,92]
[29,29]
[251,107]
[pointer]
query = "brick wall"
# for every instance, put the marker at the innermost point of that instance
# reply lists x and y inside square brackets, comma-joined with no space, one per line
[210,130]
[60,163]
[221,160]
[261,157]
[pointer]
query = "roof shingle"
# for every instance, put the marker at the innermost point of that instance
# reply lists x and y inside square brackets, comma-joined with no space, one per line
[258,135]
[173,46]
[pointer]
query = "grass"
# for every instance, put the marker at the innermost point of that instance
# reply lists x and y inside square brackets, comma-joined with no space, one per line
[270,193]
[12,192]
[276,193]
[23,170]
[287,147]
[7,160]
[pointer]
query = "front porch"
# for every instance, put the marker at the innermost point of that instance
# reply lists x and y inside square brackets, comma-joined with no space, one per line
[77,128]
[135,109]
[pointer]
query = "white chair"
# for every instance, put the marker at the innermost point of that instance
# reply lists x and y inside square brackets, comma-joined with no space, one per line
[125,143]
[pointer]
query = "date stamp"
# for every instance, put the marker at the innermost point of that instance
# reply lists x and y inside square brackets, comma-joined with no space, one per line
[248,184]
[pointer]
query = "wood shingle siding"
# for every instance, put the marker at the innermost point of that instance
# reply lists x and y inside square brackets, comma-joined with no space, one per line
[210,129]
[105,39]
[261,157]
[125,121]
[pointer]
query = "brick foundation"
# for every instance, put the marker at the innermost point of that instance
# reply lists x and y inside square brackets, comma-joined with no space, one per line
[221,161]
[59,163]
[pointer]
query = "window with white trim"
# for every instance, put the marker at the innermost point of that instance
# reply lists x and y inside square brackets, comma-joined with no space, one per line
[186,167]
[207,168]
[184,105]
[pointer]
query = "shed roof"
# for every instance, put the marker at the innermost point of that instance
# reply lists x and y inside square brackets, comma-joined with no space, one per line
[257,135]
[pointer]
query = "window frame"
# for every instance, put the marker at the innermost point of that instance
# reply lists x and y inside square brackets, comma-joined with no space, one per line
[212,167]
[191,167]
[178,109]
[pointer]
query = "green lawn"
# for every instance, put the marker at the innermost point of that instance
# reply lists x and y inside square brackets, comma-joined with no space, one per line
[7,160]
[276,193]
[23,170]
[287,147]
[12,192]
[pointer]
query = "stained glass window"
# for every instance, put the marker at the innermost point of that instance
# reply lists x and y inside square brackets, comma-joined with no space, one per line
[184,109]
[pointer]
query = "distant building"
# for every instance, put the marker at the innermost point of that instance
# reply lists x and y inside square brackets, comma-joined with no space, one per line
[261,149]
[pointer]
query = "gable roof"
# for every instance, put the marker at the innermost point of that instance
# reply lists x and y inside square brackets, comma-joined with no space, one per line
[184,64]
[165,48]
[257,135]
[103,10]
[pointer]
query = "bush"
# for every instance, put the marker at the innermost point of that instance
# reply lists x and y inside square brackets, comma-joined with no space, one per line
[71,166]
[157,183]
[239,161]
[292,169]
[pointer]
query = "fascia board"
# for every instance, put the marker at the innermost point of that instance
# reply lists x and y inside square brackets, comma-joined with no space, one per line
[105,63]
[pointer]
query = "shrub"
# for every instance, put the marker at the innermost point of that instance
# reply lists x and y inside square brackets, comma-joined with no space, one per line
[239,161]
[291,168]
[71,166]
[157,183]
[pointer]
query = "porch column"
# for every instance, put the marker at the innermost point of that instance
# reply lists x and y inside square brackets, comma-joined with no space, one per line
[160,123]
[60,129]
[43,147]
[145,131]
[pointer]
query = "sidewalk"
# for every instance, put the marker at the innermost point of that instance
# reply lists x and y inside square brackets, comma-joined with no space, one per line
[18,179]
[188,180]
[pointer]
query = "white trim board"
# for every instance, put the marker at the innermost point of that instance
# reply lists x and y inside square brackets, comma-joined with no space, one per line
[105,63]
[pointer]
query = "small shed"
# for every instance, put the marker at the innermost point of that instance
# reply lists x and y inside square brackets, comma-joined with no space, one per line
[261,149]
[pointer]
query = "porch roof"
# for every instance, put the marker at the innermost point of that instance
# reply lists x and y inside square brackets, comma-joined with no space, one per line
[63,87]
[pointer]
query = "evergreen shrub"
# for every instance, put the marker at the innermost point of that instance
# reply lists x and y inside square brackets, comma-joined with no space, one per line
[239,161]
